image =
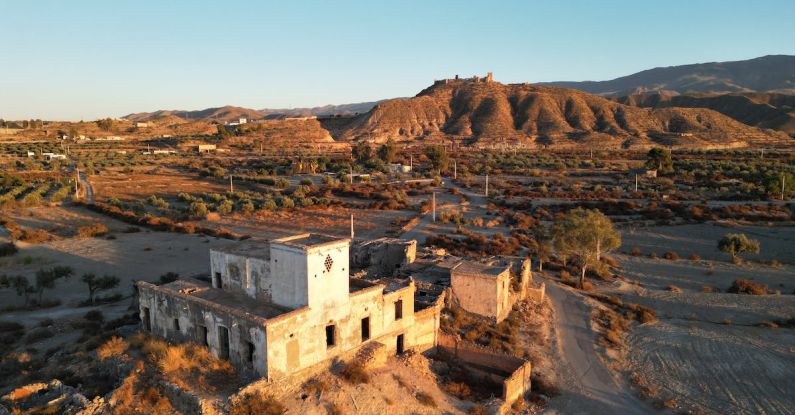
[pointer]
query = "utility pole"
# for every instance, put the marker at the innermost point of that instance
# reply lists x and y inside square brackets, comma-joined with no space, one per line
[455,170]
[352,226]
[636,183]
[487,185]
[231,186]
[433,206]
[77,182]
[411,163]
[782,185]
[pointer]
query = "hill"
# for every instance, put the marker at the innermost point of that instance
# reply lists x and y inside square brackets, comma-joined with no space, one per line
[491,112]
[772,73]
[226,113]
[325,110]
[759,109]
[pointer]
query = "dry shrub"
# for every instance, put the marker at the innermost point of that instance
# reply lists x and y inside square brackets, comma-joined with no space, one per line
[695,257]
[138,395]
[426,399]
[334,409]
[614,300]
[768,324]
[647,389]
[587,286]
[673,289]
[478,410]
[7,249]
[653,255]
[459,389]
[635,251]
[355,373]
[187,365]
[710,289]
[257,404]
[670,404]
[726,322]
[315,386]
[91,231]
[113,347]
[671,255]
[35,236]
[564,275]
[737,260]
[742,286]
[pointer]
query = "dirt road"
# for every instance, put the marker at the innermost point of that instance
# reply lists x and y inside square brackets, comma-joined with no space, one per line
[587,387]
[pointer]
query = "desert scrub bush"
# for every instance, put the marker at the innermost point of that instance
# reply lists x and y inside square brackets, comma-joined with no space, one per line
[477,409]
[257,404]
[671,255]
[458,389]
[673,289]
[8,249]
[426,399]
[91,231]
[355,373]
[635,251]
[710,289]
[742,286]
[113,347]
[695,257]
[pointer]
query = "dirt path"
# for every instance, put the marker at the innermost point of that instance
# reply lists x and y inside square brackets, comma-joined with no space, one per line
[87,189]
[589,386]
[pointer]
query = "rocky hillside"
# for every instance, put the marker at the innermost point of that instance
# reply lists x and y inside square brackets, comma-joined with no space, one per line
[764,74]
[758,109]
[494,112]
[227,113]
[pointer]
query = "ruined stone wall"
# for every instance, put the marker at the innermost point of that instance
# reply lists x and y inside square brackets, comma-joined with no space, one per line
[298,339]
[486,295]
[383,256]
[517,384]
[193,314]
[239,273]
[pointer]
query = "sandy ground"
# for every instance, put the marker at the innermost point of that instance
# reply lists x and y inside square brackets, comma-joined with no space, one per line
[130,256]
[709,351]
[587,386]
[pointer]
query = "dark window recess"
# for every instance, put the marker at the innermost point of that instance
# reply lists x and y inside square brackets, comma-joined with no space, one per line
[398,309]
[366,329]
[203,336]
[217,281]
[147,319]
[400,345]
[223,342]
[331,335]
[176,324]
[251,350]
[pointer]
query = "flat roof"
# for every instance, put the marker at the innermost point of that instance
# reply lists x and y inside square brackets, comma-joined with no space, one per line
[470,267]
[308,240]
[233,300]
[249,249]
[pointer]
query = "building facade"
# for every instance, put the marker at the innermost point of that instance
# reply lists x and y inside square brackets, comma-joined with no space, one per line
[276,308]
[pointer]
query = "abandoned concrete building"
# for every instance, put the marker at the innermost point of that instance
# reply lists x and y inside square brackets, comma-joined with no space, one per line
[489,289]
[275,308]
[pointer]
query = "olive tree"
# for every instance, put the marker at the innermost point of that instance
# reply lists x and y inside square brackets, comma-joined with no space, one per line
[584,236]
[96,284]
[660,159]
[46,278]
[738,243]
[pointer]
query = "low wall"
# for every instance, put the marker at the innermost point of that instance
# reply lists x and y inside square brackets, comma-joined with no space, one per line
[537,294]
[514,372]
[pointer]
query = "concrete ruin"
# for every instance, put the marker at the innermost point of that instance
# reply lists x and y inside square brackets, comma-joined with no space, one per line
[383,256]
[273,309]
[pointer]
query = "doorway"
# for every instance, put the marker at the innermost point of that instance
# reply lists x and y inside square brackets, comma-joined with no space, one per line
[400,345]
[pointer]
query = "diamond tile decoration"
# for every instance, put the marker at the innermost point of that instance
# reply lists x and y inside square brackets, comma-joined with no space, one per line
[329,262]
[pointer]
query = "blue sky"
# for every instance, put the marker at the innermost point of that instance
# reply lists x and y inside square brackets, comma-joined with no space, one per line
[86,59]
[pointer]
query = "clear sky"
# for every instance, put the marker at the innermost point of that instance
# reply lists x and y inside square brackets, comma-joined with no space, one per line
[85,59]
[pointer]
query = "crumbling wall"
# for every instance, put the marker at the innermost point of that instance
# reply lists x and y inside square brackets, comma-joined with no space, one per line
[298,339]
[513,372]
[243,274]
[485,295]
[383,256]
[195,315]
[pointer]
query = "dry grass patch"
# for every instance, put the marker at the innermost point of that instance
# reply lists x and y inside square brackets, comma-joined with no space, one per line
[426,399]
[91,231]
[257,404]
[187,365]
[355,373]
[113,347]
[742,286]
